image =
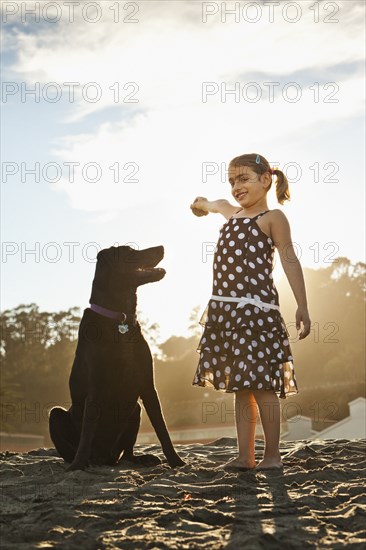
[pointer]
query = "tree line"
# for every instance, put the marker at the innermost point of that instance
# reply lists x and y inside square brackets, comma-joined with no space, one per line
[37,351]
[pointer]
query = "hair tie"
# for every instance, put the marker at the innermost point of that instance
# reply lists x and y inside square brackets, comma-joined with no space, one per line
[273,170]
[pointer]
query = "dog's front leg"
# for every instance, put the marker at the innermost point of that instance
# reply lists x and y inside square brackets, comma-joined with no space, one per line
[89,425]
[153,408]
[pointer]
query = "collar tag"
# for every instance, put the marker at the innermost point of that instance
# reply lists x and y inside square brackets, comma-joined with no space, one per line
[122,329]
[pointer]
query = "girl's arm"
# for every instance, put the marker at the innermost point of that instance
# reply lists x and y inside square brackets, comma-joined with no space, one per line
[281,233]
[201,207]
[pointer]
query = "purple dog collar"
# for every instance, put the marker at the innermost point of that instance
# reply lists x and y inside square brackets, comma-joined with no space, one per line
[116,315]
[108,312]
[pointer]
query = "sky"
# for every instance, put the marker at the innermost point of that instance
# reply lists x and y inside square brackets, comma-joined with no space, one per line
[115,116]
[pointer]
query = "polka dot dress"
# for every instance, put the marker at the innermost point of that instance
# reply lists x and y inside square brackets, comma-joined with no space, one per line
[244,348]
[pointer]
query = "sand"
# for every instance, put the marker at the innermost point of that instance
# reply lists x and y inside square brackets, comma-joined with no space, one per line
[318,501]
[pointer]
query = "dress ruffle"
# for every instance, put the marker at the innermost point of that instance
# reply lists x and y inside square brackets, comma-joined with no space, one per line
[240,356]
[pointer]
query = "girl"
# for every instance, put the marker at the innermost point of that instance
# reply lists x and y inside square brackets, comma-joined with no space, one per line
[244,347]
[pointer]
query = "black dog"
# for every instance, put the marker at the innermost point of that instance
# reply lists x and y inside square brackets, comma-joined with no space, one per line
[112,368]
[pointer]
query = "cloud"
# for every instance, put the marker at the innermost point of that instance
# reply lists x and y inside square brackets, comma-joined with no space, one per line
[169,54]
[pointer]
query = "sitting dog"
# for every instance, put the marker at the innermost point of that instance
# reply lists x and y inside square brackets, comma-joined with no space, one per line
[112,368]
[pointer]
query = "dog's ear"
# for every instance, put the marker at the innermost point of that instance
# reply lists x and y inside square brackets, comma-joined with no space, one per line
[116,256]
[102,254]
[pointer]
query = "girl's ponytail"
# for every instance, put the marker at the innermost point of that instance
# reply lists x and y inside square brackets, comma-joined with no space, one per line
[282,187]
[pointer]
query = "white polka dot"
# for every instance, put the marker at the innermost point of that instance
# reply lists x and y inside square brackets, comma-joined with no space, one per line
[221,385]
[227,370]
[260,244]
[206,364]
[260,368]
[237,377]
[252,248]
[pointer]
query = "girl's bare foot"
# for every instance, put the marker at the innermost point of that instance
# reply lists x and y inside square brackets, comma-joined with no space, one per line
[269,462]
[237,464]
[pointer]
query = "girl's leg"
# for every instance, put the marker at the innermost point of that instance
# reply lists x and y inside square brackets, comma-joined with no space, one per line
[246,413]
[269,409]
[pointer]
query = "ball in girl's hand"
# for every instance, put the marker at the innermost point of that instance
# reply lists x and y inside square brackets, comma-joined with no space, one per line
[198,212]
[199,201]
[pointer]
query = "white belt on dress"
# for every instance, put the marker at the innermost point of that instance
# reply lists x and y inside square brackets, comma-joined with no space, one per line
[242,301]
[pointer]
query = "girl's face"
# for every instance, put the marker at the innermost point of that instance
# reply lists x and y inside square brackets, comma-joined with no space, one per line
[247,187]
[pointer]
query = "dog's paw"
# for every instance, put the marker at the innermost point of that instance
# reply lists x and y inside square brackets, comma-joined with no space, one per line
[76,466]
[142,460]
[148,460]
[176,461]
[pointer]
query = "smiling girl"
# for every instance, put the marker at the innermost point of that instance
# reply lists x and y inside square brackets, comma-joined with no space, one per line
[244,348]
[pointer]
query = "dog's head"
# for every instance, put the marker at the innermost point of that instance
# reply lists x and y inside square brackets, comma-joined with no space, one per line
[126,266]
[120,270]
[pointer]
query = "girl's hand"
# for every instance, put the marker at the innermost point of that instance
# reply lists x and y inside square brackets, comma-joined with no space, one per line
[199,206]
[302,314]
